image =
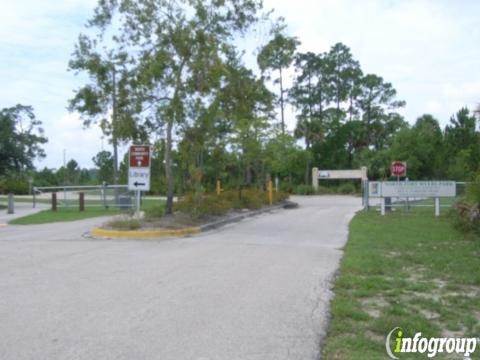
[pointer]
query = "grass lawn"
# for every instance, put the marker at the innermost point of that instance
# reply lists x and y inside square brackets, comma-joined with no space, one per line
[407,269]
[72,213]
[62,214]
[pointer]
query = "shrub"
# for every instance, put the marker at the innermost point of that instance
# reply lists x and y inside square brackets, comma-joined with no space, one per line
[322,190]
[254,199]
[304,190]
[234,197]
[199,205]
[286,187]
[125,224]
[472,191]
[14,184]
[280,196]
[155,212]
[466,212]
[347,188]
[466,216]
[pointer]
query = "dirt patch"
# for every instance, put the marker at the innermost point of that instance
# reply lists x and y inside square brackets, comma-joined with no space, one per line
[374,306]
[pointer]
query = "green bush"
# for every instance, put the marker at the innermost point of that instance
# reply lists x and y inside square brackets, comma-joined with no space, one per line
[346,189]
[154,212]
[323,190]
[234,197]
[466,212]
[304,190]
[14,184]
[199,205]
[472,191]
[254,199]
[466,216]
[125,224]
[286,187]
[280,196]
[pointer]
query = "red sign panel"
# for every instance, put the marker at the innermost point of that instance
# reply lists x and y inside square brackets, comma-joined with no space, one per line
[139,156]
[398,168]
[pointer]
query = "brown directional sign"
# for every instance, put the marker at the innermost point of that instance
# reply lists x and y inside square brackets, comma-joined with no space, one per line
[139,156]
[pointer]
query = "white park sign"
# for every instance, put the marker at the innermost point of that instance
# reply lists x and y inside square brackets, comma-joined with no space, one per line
[412,189]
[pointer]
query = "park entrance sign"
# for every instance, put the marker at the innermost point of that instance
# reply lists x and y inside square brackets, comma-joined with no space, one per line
[139,168]
[412,190]
[337,174]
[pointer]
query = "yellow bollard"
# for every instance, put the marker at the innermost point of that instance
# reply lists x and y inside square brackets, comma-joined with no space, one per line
[270,194]
[219,187]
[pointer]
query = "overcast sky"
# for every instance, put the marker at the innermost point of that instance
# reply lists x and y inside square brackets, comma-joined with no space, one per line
[428,50]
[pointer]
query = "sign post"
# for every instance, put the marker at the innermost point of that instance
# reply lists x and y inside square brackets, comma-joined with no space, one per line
[139,171]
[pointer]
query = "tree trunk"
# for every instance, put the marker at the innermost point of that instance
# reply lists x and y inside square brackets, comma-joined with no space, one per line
[307,167]
[114,130]
[281,102]
[168,168]
[248,174]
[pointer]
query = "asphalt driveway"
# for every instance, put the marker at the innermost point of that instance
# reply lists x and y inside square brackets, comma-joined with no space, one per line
[255,290]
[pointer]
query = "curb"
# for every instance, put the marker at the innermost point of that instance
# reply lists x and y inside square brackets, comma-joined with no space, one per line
[144,233]
[97,232]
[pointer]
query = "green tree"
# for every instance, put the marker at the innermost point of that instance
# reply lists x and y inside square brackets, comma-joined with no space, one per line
[21,139]
[104,163]
[421,146]
[462,144]
[246,104]
[180,47]
[376,100]
[108,98]
[45,177]
[344,73]
[277,55]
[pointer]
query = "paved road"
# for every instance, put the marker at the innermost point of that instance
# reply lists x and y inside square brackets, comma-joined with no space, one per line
[255,290]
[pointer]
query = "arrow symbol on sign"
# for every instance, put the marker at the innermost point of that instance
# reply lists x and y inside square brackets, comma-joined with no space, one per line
[138,184]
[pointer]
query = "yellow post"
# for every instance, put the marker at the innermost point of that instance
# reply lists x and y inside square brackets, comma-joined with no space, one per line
[270,194]
[219,187]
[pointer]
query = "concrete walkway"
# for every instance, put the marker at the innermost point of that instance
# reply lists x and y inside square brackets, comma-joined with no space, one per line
[21,209]
[254,290]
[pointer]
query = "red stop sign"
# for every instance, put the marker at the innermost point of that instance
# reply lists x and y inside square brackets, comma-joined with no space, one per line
[398,168]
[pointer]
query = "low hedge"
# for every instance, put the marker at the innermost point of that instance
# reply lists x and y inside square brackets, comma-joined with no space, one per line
[199,205]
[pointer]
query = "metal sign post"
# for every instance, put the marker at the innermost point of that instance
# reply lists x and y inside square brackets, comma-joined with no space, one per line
[139,171]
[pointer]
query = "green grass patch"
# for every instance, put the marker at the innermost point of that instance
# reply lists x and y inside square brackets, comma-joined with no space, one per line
[62,215]
[406,269]
[72,213]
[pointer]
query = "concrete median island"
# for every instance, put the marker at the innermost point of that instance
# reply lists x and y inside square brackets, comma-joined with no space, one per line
[174,225]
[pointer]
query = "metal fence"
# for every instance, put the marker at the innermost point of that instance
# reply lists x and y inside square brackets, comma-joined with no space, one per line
[106,196]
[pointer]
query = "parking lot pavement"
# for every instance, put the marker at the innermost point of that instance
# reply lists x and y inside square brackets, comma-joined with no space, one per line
[258,289]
